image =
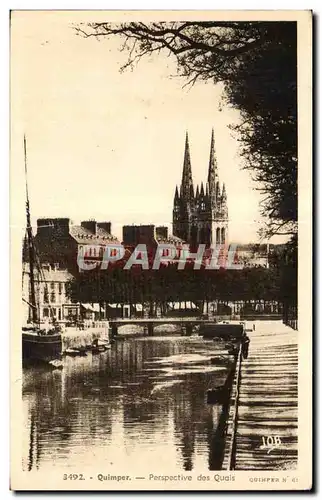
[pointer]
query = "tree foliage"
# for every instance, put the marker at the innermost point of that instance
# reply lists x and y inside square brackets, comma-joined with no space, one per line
[256,62]
[154,288]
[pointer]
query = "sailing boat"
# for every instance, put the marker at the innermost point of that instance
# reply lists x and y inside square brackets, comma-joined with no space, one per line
[38,344]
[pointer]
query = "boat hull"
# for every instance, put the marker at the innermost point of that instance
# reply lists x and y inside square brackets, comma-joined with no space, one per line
[219,330]
[75,352]
[41,347]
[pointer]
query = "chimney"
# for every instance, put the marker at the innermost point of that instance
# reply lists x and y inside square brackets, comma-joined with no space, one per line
[162,232]
[90,225]
[107,226]
[134,235]
[50,227]
[128,237]
[145,234]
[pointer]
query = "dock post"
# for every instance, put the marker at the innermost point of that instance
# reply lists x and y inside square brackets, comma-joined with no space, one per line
[114,331]
[148,329]
[189,329]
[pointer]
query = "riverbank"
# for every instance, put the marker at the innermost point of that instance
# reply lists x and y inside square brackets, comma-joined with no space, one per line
[73,338]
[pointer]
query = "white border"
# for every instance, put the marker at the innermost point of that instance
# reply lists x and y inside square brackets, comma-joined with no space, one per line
[4,180]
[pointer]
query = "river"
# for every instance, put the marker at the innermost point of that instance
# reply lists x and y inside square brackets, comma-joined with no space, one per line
[143,400]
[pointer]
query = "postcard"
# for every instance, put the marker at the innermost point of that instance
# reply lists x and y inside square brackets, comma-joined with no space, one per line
[161,229]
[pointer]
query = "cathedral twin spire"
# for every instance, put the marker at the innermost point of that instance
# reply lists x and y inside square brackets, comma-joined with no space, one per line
[200,216]
[212,192]
[187,190]
[212,170]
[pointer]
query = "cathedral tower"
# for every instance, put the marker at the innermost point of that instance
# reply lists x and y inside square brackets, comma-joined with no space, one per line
[183,206]
[203,217]
[218,213]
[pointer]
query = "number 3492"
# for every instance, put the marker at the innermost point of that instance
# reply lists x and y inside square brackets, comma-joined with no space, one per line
[73,477]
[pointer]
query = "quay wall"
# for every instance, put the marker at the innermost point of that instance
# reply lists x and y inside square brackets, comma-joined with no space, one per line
[73,337]
[261,317]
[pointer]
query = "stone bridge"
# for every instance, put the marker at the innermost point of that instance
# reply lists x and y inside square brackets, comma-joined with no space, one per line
[148,324]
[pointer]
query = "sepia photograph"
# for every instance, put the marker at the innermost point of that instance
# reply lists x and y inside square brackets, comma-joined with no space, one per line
[160,225]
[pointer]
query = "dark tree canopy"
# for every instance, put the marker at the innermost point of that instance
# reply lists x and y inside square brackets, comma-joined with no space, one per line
[256,62]
[157,287]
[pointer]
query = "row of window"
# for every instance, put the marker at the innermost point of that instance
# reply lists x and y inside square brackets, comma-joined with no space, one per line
[201,205]
[220,235]
[54,294]
[61,287]
[53,312]
[58,313]
[53,298]
[96,251]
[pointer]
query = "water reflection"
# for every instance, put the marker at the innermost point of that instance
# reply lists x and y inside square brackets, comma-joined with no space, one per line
[144,398]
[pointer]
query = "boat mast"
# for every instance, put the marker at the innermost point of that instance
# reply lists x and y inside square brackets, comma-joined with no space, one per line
[34,315]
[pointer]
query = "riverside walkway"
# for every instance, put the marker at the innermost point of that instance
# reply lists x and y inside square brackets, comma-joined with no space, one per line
[262,422]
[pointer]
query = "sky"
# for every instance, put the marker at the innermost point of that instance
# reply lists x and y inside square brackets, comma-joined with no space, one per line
[108,145]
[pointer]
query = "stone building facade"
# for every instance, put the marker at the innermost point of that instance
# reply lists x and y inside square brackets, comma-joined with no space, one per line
[59,242]
[51,287]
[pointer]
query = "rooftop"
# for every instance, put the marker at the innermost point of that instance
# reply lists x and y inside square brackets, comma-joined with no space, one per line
[170,239]
[85,236]
[49,274]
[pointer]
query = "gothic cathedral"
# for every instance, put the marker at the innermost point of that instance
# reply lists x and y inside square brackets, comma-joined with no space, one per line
[201,216]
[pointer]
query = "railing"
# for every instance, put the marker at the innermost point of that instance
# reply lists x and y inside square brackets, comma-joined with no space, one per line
[230,452]
[290,316]
[165,319]
[87,324]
